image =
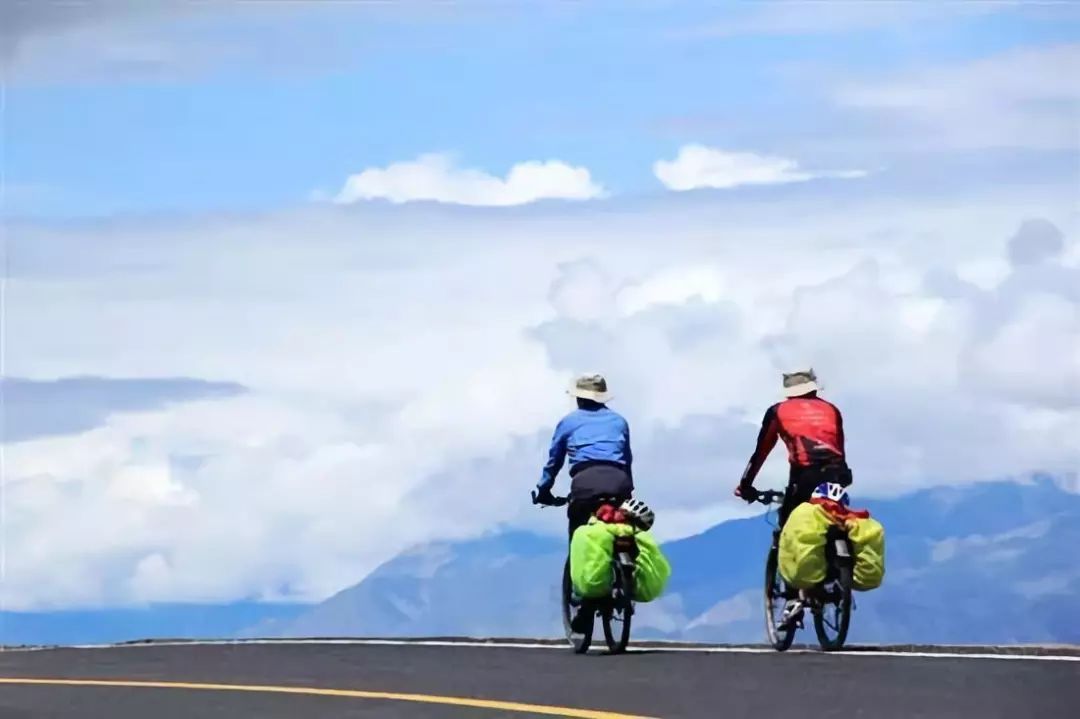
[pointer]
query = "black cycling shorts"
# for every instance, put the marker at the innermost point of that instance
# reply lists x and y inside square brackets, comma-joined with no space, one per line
[592,483]
[804,480]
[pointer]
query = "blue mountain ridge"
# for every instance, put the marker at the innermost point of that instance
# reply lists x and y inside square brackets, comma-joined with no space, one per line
[991,562]
[982,563]
[159,621]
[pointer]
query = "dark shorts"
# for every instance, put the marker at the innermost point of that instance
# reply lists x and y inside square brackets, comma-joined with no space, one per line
[804,480]
[591,484]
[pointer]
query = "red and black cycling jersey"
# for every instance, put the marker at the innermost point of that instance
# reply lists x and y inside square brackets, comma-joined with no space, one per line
[812,429]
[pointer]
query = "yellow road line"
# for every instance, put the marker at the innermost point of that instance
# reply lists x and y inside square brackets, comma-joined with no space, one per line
[349,693]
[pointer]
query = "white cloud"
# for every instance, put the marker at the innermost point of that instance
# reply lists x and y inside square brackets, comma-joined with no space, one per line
[407,371]
[698,166]
[434,177]
[1024,98]
[1034,357]
[583,291]
[675,286]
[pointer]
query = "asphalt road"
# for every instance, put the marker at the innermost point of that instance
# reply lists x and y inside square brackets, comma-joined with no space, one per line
[652,684]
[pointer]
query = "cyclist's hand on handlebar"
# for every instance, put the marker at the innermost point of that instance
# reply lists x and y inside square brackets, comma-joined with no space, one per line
[747,493]
[543,496]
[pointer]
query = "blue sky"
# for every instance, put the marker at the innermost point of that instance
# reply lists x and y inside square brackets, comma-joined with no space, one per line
[316,259]
[220,120]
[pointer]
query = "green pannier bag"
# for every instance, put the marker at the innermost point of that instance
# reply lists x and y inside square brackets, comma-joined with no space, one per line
[591,552]
[802,546]
[868,540]
[653,569]
[590,560]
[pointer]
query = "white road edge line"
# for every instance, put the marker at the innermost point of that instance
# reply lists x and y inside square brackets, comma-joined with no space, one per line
[523,645]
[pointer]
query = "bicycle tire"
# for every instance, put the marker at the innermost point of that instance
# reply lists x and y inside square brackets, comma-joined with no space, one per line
[580,642]
[843,606]
[622,603]
[780,639]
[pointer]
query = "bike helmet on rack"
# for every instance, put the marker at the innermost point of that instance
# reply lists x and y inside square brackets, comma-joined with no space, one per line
[638,513]
[835,492]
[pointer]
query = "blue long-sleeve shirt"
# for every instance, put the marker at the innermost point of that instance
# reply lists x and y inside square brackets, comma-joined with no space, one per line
[587,435]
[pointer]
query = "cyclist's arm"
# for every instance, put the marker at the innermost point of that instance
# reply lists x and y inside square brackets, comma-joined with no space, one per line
[556,457]
[770,432]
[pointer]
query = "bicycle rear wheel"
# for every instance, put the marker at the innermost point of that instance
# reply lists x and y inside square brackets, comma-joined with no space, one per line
[617,616]
[833,616]
[780,635]
[579,641]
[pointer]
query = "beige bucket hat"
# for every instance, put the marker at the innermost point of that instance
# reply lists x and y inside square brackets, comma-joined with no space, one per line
[591,386]
[799,383]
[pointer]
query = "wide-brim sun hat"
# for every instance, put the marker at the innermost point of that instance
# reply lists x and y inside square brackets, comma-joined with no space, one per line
[796,384]
[591,387]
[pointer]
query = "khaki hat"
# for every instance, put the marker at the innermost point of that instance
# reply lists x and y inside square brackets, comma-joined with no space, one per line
[799,383]
[591,386]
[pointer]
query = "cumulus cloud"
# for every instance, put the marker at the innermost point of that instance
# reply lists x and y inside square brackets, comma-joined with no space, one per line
[583,291]
[698,166]
[928,396]
[1034,357]
[434,177]
[393,377]
[1036,240]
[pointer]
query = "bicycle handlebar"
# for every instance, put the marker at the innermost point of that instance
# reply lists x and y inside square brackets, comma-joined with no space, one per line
[558,501]
[770,496]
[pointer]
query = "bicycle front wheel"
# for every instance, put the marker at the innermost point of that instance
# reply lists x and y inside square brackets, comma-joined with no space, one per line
[616,617]
[779,633]
[580,641]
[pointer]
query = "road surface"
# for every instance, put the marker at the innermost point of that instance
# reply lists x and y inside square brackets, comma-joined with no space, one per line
[414,681]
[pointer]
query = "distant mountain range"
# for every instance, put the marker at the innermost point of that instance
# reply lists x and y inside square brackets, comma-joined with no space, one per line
[159,621]
[992,562]
[983,563]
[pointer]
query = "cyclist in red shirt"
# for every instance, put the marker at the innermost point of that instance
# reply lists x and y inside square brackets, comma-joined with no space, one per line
[813,430]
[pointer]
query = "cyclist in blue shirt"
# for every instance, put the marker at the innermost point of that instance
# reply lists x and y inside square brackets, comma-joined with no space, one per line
[595,441]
